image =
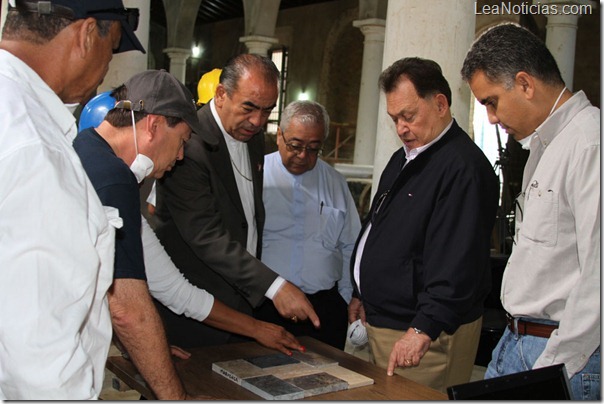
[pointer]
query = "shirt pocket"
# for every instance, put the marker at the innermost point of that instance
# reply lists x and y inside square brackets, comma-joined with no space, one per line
[540,218]
[331,226]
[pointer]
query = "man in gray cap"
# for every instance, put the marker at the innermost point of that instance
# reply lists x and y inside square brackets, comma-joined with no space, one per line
[143,136]
[57,242]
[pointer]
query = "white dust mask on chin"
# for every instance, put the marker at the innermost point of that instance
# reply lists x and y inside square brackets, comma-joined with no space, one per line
[142,165]
[72,107]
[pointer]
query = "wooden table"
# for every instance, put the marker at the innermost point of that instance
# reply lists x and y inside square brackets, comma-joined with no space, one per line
[198,377]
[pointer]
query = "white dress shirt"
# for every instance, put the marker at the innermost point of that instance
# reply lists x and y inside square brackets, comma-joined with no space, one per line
[167,284]
[56,249]
[240,161]
[311,226]
[554,270]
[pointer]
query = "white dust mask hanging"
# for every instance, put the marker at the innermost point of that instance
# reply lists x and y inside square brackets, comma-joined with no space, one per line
[72,106]
[526,142]
[142,165]
[357,333]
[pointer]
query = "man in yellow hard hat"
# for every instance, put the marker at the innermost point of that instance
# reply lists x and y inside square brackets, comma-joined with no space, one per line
[207,86]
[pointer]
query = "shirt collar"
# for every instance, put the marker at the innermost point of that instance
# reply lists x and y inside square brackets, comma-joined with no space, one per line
[411,154]
[230,140]
[526,142]
[217,118]
[25,75]
[551,126]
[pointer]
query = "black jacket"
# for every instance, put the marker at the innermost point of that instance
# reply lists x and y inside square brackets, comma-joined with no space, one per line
[425,263]
[201,223]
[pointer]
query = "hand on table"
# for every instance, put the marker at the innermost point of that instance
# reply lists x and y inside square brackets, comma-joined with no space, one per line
[292,303]
[179,352]
[276,337]
[408,351]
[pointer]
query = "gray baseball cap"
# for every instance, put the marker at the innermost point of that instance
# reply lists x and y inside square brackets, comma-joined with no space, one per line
[160,93]
[113,10]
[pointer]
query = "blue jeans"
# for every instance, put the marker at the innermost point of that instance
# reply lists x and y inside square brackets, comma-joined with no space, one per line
[513,355]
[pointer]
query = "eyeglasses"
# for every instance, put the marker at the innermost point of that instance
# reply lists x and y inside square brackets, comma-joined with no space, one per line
[299,149]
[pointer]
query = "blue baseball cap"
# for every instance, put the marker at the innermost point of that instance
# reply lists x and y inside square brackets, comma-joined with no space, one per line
[112,10]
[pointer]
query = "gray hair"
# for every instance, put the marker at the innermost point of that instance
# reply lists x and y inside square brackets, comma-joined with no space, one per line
[305,112]
[236,67]
[504,50]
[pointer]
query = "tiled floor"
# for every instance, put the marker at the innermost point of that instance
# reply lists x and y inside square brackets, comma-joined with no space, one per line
[115,390]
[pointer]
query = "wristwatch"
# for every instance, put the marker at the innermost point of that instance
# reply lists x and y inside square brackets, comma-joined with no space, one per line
[418,331]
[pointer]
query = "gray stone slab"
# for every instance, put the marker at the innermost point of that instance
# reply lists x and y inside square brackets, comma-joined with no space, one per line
[270,387]
[318,383]
[313,359]
[269,361]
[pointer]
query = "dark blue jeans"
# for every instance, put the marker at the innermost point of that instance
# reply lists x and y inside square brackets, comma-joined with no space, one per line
[518,354]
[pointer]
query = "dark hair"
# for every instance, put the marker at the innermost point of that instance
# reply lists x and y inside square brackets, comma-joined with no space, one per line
[238,65]
[22,24]
[122,117]
[305,112]
[426,76]
[504,50]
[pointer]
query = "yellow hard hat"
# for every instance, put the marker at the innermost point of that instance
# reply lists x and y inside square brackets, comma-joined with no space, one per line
[207,86]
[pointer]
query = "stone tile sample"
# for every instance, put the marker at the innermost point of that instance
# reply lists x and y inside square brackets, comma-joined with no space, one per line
[313,359]
[270,361]
[353,379]
[318,383]
[281,377]
[270,387]
[238,369]
[298,369]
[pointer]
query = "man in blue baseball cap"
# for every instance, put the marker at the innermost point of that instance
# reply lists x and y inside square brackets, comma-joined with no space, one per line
[56,260]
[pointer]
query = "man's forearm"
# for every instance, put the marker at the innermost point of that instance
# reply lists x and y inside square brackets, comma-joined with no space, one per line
[139,328]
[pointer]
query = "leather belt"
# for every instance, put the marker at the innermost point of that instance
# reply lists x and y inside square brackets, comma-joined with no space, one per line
[522,327]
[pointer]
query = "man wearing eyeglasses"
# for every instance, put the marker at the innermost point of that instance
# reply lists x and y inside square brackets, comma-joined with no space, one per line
[311,223]
[421,266]
[56,259]
[209,213]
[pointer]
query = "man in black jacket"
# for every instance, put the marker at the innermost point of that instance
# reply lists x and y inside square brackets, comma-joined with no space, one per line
[421,263]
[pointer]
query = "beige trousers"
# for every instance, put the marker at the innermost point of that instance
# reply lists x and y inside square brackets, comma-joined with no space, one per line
[448,362]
